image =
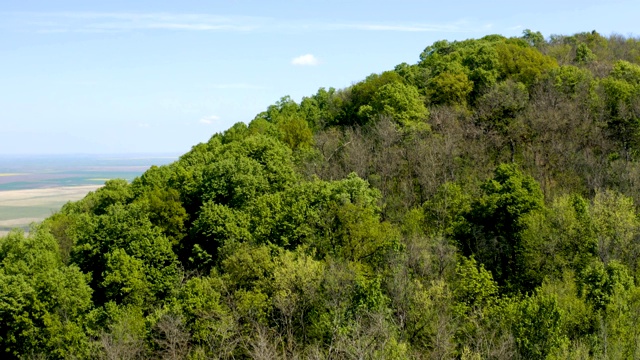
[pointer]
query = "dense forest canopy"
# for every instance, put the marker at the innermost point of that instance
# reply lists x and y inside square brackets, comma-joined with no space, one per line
[480,203]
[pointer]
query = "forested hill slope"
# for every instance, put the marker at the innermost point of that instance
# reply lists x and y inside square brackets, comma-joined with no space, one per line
[480,203]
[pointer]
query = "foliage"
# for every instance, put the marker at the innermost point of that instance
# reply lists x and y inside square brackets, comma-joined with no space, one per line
[537,326]
[496,221]
[42,301]
[480,203]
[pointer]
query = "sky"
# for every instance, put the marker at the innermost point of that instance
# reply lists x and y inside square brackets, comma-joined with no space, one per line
[155,76]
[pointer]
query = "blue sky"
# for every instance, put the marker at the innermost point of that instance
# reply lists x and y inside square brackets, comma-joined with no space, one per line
[160,76]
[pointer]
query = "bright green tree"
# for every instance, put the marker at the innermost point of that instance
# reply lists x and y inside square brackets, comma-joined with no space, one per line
[43,303]
[402,103]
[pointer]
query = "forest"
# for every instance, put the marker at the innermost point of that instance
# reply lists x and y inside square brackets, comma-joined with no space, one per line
[481,203]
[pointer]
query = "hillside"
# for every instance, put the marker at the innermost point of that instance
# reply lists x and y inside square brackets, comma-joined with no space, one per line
[480,203]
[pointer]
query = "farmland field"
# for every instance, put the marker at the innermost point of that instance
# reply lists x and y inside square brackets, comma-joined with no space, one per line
[34,187]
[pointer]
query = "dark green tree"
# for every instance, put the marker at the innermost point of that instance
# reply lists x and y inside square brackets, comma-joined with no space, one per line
[494,225]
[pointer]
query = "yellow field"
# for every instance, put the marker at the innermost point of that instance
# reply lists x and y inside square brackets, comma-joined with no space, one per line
[11,174]
[19,208]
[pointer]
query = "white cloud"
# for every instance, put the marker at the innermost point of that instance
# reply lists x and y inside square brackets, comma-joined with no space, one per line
[97,22]
[114,22]
[305,60]
[242,86]
[451,27]
[398,28]
[209,120]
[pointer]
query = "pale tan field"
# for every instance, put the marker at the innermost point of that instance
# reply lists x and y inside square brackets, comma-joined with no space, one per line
[19,208]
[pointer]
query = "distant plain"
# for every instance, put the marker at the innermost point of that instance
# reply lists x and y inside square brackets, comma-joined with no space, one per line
[34,187]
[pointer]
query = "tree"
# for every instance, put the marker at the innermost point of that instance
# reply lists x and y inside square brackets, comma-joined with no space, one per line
[450,88]
[600,283]
[537,326]
[296,284]
[43,303]
[523,63]
[204,317]
[621,100]
[361,94]
[535,39]
[494,225]
[571,80]
[584,54]
[402,103]
[616,227]
[145,256]
[502,103]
